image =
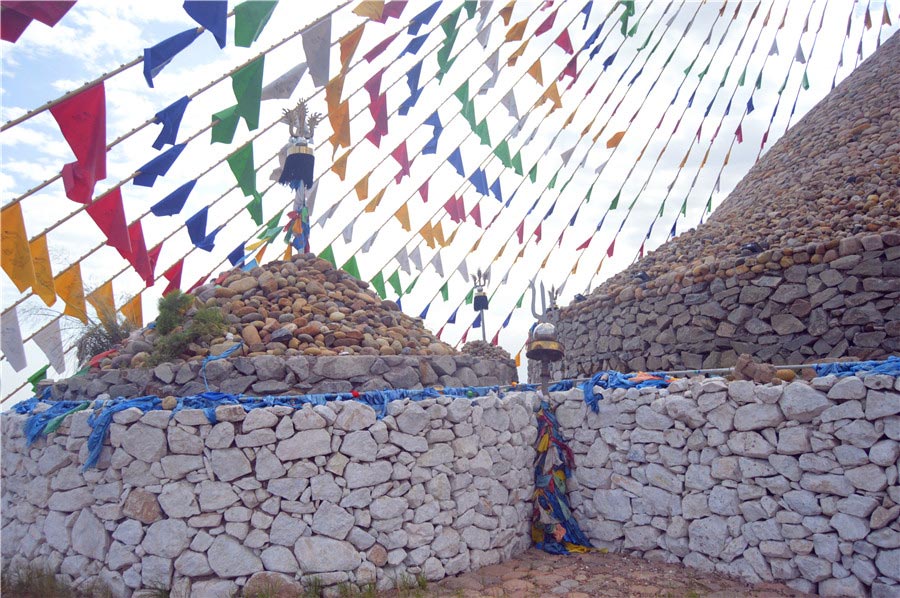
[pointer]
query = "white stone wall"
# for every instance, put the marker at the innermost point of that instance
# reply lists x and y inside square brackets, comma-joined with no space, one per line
[795,483]
[437,487]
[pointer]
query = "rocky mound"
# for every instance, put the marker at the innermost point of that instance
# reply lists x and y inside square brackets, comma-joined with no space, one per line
[833,175]
[485,351]
[299,307]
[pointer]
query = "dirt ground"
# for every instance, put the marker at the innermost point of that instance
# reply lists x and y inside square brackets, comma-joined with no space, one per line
[536,574]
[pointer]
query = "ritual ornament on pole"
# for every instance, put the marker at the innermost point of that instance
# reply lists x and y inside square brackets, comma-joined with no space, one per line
[480,299]
[543,344]
[297,171]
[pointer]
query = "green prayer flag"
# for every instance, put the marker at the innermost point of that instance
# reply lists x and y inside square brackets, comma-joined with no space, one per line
[482,131]
[566,184]
[470,297]
[629,7]
[272,227]
[328,255]
[462,93]
[445,292]
[615,201]
[255,208]
[631,205]
[519,302]
[450,32]
[502,153]
[669,59]
[394,281]
[247,86]
[646,41]
[83,370]
[411,285]
[516,163]
[552,182]
[634,29]
[224,125]
[468,112]
[532,174]
[725,76]
[706,70]
[684,207]
[250,19]
[783,85]
[624,19]
[36,377]
[709,204]
[759,80]
[690,66]
[587,198]
[241,164]
[351,268]
[378,282]
[662,207]
[742,77]
[805,82]
[470,6]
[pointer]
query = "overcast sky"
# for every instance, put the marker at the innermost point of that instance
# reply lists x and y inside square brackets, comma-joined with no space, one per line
[96,36]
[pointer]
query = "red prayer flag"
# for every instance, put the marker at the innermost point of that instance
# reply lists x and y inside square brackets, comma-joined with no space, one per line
[496,340]
[475,215]
[585,244]
[153,255]
[173,275]
[391,10]
[199,282]
[399,154]
[138,257]
[373,85]
[571,70]
[379,112]
[641,252]
[612,248]
[546,25]
[381,47]
[82,120]
[564,42]
[537,233]
[109,215]
[18,14]
[520,231]
[465,336]
[423,191]
[739,133]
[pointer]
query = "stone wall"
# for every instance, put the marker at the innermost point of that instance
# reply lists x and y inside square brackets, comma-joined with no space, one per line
[437,487]
[786,306]
[300,374]
[795,483]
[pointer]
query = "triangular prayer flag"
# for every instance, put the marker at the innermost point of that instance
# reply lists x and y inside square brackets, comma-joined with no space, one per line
[254,207]
[43,273]
[237,255]
[348,45]
[373,203]
[615,139]
[805,81]
[535,71]
[224,125]
[158,166]
[427,233]
[49,339]
[415,256]
[516,164]
[170,118]
[475,215]
[423,191]
[532,174]
[328,255]
[102,299]
[247,86]
[139,258]
[799,57]
[455,160]
[250,18]
[410,286]
[173,275]
[340,165]
[241,165]
[158,56]
[479,181]
[496,191]
[452,318]
[438,264]
[317,46]
[402,214]
[211,15]
[520,231]
[283,87]
[424,313]
[362,187]
[11,339]
[82,121]
[423,18]
[378,49]
[445,291]
[517,31]
[612,248]
[552,93]
[537,233]
[414,45]
[109,214]
[71,290]
[394,281]
[351,268]
[564,42]
[15,254]
[378,284]
[17,15]
[483,133]
[196,225]
[399,154]
[133,311]
[369,9]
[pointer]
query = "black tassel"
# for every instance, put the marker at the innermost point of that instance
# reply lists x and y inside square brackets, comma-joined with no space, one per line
[298,169]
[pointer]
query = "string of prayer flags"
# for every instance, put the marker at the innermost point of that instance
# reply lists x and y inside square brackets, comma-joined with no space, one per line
[283,87]
[71,290]
[43,273]
[250,18]
[317,46]
[82,121]
[212,15]
[172,203]
[11,339]
[170,118]
[15,254]
[157,57]
[173,275]
[158,166]
[49,340]
[109,215]
[423,18]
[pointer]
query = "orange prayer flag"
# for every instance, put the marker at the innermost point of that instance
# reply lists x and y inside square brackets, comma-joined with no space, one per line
[103,300]
[705,157]
[133,311]
[615,139]
[517,31]
[571,118]
[340,124]
[544,263]
[362,187]
[575,267]
[71,290]
[287,252]
[372,205]
[402,214]
[684,160]
[340,165]
[727,157]
[261,253]
[514,57]
[439,234]
[43,273]
[499,253]
[518,359]
[587,129]
[868,20]
[885,17]
[506,12]
[349,44]
[15,253]
[333,90]
[475,246]
[452,236]
[552,93]
[535,72]
[427,233]
[370,9]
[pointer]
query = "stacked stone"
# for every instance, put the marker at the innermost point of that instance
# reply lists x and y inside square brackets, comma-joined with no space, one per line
[830,181]
[486,351]
[297,375]
[795,483]
[435,488]
[300,307]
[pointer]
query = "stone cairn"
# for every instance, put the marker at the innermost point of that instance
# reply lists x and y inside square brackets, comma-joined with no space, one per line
[800,263]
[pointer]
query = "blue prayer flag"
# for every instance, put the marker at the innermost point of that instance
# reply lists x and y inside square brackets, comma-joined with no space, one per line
[672,232]
[506,321]
[157,57]
[209,241]
[400,307]
[172,203]
[412,80]
[196,226]
[609,59]
[250,265]
[709,107]
[455,160]
[691,99]
[424,312]
[635,78]
[479,180]
[435,121]
[590,40]
[509,201]
[170,118]
[728,108]
[750,105]
[572,221]
[158,166]
[414,45]
[423,18]
[586,11]
[210,14]
[237,255]
[477,322]
[550,211]
[452,318]
[495,189]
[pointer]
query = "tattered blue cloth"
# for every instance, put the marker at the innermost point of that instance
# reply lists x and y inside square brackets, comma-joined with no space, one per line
[196,225]
[172,203]
[211,15]
[613,379]
[889,366]
[170,118]
[423,18]
[298,170]
[157,57]
[158,166]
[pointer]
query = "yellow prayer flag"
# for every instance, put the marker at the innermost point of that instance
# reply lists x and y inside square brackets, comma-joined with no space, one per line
[340,165]
[453,236]
[261,253]
[372,205]
[370,9]
[402,214]
[439,234]
[727,157]
[133,311]
[43,273]
[552,93]
[255,245]
[705,157]
[615,139]
[288,252]
[333,90]
[521,255]
[340,124]
[428,234]
[514,57]
[499,253]
[475,246]
[868,20]
[587,129]
[70,288]
[684,160]
[103,300]
[362,187]
[535,72]
[544,263]
[885,17]
[571,118]
[14,250]
[575,267]
[518,359]
[517,31]
[506,12]
[349,44]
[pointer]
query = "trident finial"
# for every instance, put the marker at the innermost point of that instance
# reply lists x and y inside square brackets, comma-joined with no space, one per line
[300,122]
